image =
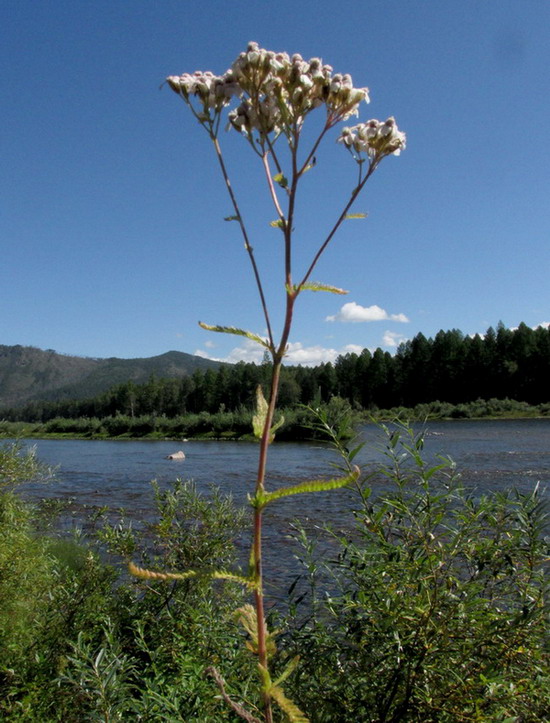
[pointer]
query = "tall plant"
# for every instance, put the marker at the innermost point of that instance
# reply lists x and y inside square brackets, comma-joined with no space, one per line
[273,94]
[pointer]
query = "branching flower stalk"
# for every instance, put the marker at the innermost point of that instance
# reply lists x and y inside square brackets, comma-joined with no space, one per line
[274,93]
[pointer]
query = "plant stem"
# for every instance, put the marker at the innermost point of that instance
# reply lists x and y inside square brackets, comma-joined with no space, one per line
[244,232]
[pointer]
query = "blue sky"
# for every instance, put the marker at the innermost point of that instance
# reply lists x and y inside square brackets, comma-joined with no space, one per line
[111,204]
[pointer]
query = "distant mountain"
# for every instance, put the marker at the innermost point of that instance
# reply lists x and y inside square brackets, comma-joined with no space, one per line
[30,374]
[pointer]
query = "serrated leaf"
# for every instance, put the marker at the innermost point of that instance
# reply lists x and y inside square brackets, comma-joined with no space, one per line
[350,216]
[281,180]
[317,286]
[290,668]
[277,224]
[231,218]
[216,575]
[151,575]
[232,577]
[294,714]
[234,330]
[310,486]
[258,419]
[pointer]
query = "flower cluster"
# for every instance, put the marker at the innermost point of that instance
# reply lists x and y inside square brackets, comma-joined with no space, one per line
[374,138]
[276,91]
[292,87]
[213,91]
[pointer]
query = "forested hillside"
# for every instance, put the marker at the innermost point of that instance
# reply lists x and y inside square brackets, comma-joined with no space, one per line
[451,367]
[28,373]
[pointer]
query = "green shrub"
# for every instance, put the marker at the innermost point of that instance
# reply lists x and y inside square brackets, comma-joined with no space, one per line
[438,609]
[79,641]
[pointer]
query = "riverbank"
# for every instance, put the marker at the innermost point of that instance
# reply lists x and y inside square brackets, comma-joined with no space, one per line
[237,426]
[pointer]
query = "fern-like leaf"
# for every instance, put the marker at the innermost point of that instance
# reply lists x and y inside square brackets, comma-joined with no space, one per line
[293,713]
[145,574]
[353,216]
[151,575]
[236,331]
[317,286]
[260,416]
[310,486]
[290,668]
[246,615]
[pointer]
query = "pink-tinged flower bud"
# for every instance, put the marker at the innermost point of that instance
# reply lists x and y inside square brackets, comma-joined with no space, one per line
[174,83]
[387,127]
[336,83]
[346,137]
[358,94]
[346,81]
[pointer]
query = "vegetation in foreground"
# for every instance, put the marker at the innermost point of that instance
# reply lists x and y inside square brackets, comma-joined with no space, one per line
[434,608]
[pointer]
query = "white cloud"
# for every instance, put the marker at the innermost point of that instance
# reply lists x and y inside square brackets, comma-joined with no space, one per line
[353,312]
[392,338]
[204,355]
[249,351]
[352,349]
[297,353]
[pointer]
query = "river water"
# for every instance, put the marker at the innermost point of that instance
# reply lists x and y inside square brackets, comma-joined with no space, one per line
[490,456]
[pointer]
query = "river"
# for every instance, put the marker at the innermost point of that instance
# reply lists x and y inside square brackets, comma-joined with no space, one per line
[490,456]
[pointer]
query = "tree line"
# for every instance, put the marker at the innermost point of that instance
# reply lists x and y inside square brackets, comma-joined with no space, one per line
[450,367]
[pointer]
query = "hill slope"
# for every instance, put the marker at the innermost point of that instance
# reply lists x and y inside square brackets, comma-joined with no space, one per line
[28,373]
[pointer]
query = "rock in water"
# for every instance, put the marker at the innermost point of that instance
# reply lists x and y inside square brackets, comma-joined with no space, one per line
[176,455]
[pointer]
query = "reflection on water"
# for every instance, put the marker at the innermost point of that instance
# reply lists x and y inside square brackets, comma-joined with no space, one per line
[490,455]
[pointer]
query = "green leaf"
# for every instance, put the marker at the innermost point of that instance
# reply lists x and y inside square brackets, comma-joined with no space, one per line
[317,286]
[216,575]
[151,575]
[293,713]
[277,224]
[232,218]
[258,419]
[234,330]
[281,180]
[310,486]
[350,216]
[290,668]
[248,582]
[275,427]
